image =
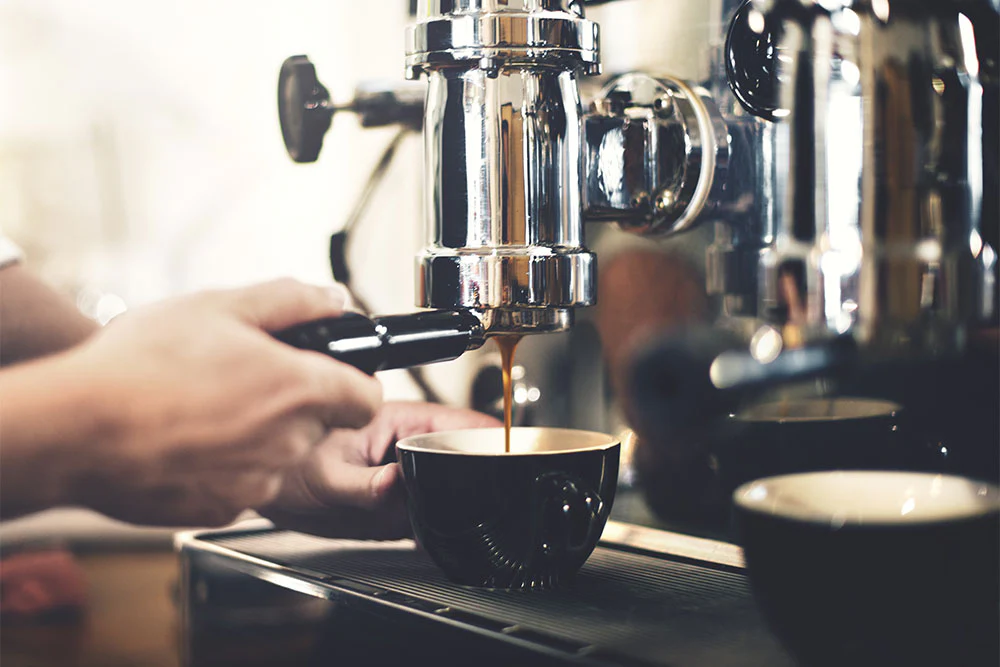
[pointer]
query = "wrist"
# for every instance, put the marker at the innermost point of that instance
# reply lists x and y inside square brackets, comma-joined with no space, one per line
[54,417]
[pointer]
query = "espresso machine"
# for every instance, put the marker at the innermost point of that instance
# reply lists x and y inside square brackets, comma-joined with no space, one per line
[836,162]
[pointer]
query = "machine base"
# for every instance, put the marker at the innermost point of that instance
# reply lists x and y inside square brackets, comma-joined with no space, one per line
[254,595]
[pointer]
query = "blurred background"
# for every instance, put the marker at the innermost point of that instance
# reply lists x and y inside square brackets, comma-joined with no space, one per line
[141,157]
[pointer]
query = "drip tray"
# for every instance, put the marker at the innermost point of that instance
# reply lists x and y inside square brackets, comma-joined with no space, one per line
[626,606]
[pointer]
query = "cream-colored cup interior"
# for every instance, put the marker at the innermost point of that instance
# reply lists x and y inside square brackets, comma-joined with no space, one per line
[869,497]
[817,409]
[523,440]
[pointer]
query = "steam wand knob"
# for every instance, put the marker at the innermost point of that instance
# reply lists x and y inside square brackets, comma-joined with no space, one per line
[304,109]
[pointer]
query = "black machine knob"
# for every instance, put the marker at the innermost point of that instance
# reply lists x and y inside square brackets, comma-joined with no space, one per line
[393,341]
[752,62]
[304,109]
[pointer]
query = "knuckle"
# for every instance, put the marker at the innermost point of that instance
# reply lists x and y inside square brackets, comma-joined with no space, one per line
[286,284]
[286,291]
[371,402]
[294,446]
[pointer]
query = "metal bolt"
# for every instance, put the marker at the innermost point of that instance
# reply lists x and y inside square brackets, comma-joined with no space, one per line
[663,106]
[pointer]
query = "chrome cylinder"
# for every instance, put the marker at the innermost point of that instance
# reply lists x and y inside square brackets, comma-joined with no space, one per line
[879,227]
[503,160]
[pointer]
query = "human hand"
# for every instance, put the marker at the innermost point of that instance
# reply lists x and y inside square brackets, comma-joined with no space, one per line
[345,488]
[205,410]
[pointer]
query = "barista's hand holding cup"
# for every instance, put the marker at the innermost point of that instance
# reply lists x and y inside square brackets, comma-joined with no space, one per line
[527,518]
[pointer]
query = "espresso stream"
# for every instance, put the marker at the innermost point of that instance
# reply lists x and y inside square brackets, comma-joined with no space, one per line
[507,345]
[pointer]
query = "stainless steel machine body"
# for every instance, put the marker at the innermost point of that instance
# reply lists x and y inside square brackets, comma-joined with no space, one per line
[836,150]
[502,172]
[881,192]
[838,147]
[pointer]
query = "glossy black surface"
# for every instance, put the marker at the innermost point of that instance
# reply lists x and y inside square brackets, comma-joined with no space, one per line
[279,598]
[685,382]
[858,434]
[916,595]
[391,341]
[303,109]
[510,520]
[752,63]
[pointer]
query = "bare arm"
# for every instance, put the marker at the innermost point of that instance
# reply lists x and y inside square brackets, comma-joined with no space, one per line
[35,320]
[50,411]
[184,412]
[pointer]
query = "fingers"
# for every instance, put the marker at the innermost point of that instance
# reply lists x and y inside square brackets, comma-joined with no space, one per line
[411,418]
[343,396]
[206,499]
[281,303]
[339,499]
[401,419]
[275,449]
[336,481]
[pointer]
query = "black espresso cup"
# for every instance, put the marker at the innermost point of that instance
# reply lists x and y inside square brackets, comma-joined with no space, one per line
[811,434]
[876,567]
[529,518]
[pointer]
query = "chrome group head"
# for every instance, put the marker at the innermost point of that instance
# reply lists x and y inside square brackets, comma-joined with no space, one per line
[503,156]
[844,180]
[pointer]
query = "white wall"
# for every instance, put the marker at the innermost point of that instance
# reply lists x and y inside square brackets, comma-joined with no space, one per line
[146,134]
[140,152]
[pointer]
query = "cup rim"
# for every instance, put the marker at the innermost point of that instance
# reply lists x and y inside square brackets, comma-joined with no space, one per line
[415,443]
[751,497]
[872,408]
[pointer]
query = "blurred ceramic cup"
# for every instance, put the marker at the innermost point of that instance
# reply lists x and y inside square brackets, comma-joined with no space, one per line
[529,518]
[876,567]
[810,434]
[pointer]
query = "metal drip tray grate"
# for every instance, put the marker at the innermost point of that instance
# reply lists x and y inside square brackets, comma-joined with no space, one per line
[623,606]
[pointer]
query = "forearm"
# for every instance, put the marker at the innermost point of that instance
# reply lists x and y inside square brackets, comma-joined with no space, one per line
[35,320]
[51,415]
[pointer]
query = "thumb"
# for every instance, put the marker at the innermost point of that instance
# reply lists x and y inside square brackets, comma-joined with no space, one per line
[363,487]
[282,303]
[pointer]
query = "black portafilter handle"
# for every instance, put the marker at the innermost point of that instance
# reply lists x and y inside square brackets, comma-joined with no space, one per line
[373,344]
[684,384]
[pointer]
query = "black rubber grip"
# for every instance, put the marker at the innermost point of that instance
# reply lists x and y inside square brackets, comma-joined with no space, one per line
[392,341]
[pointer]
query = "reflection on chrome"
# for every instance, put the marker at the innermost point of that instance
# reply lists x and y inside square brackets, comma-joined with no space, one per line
[879,213]
[502,152]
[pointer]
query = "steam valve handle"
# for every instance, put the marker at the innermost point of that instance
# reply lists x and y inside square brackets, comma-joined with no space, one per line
[304,109]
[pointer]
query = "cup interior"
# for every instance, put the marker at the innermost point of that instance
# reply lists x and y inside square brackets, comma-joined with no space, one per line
[523,440]
[881,498]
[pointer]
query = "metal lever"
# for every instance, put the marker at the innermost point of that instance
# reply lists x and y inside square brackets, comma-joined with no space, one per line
[393,341]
